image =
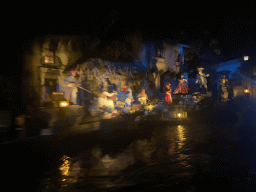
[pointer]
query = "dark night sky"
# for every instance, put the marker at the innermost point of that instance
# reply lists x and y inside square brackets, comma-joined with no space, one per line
[233,25]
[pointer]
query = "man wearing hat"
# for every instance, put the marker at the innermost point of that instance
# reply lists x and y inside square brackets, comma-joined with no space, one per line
[201,78]
[71,85]
[121,95]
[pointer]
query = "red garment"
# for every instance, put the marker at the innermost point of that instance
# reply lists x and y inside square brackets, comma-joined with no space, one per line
[182,87]
[112,97]
[168,95]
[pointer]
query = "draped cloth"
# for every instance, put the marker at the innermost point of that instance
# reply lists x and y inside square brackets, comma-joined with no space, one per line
[182,87]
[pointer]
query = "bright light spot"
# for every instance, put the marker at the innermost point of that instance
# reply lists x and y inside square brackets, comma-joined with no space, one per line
[181,136]
[63,104]
[246,90]
[246,58]
[64,168]
[179,114]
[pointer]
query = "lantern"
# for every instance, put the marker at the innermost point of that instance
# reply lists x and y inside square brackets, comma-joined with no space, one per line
[64,104]
[246,58]
[179,113]
[246,90]
[247,93]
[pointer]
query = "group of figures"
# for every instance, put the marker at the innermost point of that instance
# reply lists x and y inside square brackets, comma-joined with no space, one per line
[201,78]
[109,100]
[105,99]
[182,88]
[124,97]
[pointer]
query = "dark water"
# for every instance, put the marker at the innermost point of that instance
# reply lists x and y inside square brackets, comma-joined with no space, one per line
[148,157]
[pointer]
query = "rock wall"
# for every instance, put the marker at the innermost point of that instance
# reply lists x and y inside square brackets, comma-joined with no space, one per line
[66,52]
[170,53]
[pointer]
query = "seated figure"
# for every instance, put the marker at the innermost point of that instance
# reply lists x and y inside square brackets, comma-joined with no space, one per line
[121,95]
[142,97]
[104,101]
[129,99]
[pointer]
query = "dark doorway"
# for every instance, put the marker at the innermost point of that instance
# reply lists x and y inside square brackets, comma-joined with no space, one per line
[51,85]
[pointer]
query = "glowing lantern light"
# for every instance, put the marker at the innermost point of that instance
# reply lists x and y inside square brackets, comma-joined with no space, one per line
[64,104]
[180,114]
[246,90]
[246,58]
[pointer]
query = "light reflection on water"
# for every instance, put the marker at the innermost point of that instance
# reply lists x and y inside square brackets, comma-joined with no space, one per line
[176,138]
[181,136]
[64,168]
[163,146]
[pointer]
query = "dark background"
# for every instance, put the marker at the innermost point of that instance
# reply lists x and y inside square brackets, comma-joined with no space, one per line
[233,25]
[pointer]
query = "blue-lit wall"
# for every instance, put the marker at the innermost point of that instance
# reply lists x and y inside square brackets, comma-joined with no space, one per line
[231,65]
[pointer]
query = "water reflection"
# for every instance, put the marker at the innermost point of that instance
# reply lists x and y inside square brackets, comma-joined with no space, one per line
[172,138]
[162,144]
[181,136]
[65,166]
[176,137]
[165,145]
[70,171]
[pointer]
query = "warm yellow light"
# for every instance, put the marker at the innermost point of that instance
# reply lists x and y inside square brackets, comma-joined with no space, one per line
[181,136]
[64,104]
[246,58]
[64,168]
[246,90]
[179,114]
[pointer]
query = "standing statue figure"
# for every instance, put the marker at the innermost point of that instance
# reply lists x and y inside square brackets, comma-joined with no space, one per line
[70,90]
[182,87]
[201,78]
[224,88]
[168,94]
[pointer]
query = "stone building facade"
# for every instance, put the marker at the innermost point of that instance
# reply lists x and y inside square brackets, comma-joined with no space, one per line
[47,62]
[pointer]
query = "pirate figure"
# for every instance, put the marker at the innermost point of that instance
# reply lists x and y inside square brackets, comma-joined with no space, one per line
[182,87]
[201,78]
[224,88]
[129,99]
[143,97]
[168,94]
[70,89]
[106,99]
